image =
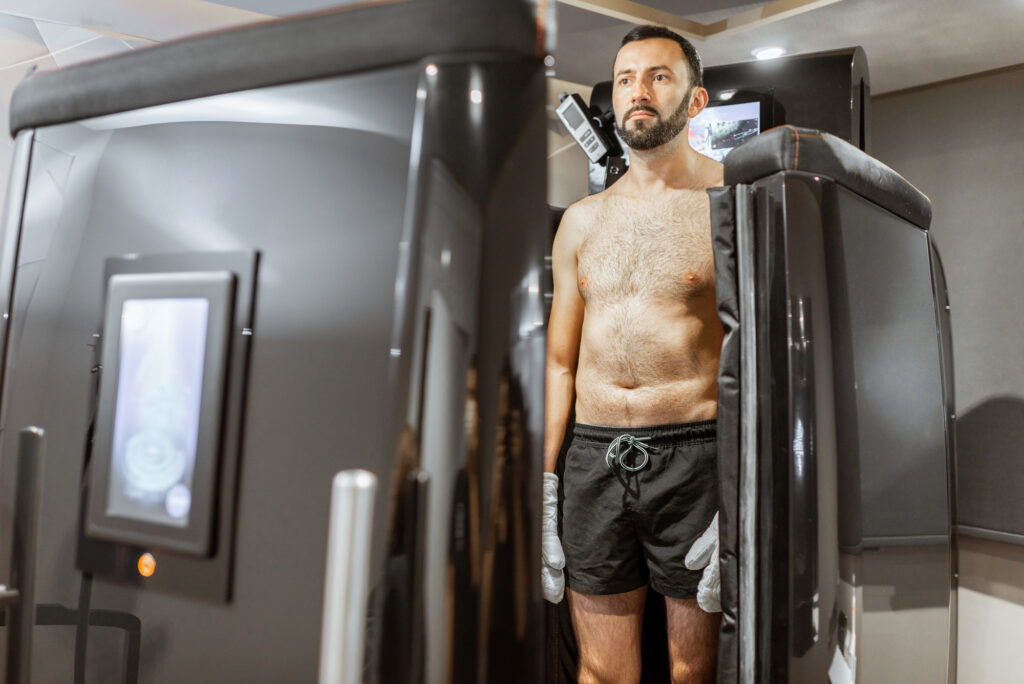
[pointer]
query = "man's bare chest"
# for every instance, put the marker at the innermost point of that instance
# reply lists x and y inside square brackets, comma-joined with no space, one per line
[658,253]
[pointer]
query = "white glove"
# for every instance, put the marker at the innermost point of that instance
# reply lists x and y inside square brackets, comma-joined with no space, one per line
[704,554]
[552,559]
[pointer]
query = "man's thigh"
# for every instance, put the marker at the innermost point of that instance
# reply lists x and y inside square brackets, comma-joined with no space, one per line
[692,641]
[608,633]
[602,551]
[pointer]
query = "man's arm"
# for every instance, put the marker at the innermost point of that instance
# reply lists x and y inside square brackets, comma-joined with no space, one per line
[564,327]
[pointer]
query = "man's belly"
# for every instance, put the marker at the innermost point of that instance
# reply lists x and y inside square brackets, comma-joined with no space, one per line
[650,370]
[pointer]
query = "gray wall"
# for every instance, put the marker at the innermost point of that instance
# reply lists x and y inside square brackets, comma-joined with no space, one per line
[962,143]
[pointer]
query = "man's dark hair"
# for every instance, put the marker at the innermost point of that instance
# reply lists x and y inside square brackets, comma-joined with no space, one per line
[648,31]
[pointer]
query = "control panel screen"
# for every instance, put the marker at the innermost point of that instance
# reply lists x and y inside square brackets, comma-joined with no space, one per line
[157,409]
[153,475]
[719,128]
[573,117]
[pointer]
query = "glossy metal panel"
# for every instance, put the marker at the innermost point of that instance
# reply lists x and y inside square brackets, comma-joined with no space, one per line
[805,577]
[859,487]
[317,199]
[468,358]
[398,328]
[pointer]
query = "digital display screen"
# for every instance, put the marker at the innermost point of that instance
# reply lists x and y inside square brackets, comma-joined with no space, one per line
[720,128]
[572,117]
[157,409]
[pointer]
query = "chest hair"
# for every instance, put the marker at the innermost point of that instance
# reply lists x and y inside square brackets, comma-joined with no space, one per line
[648,250]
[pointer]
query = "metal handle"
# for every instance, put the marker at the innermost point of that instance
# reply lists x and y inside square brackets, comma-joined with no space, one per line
[20,596]
[347,582]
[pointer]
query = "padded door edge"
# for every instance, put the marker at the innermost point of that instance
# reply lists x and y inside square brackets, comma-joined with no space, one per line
[723,231]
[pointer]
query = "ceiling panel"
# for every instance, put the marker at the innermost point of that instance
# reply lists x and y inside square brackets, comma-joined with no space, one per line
[281,8]
[908,43]
[693,8]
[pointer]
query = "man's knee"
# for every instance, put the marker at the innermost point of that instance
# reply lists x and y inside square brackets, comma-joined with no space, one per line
[693,673]
[592,671]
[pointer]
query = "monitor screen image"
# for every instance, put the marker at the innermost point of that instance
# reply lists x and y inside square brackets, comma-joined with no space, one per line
[156,419]
[720,128]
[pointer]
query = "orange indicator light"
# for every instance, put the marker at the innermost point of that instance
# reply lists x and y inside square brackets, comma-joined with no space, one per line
[147,565]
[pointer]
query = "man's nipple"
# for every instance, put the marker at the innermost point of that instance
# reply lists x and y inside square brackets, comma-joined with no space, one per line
[691,277]
[583,282]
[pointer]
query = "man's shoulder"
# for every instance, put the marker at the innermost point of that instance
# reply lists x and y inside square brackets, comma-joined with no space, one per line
[585,206]
[580,215]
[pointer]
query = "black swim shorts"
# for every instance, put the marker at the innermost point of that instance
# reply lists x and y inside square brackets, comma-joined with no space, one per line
[635,500]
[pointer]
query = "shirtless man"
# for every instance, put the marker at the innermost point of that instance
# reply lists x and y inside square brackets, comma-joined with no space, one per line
[634,338]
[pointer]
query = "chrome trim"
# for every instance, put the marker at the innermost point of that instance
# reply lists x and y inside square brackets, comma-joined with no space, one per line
[346,584]
[10,238]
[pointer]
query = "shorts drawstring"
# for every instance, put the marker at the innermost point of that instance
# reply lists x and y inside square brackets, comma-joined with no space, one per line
[614,452]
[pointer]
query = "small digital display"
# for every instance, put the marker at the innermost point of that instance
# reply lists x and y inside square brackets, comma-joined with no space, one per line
[157,409]
[572,117]
[720,128]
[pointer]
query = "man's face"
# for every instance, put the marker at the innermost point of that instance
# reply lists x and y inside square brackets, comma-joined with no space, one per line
[651,92]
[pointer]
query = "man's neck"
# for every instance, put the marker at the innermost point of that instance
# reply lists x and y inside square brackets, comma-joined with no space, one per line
[672,166]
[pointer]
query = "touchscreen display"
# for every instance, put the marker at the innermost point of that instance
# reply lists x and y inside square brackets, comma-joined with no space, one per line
[720,128]
[157,409]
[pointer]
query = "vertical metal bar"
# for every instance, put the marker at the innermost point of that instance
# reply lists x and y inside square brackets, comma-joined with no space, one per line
[347,580]
[748,434]
[10,239]
[23,555]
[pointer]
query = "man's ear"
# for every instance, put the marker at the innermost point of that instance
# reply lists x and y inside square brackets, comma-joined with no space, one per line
[698,101]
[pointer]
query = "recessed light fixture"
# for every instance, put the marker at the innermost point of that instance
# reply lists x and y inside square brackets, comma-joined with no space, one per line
[768,52]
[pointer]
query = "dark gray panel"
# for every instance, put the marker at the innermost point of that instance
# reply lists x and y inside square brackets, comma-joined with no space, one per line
[397,214]
[353,39]
[328,225]
[890,399]
[823,90]
[850,408]
[990,448]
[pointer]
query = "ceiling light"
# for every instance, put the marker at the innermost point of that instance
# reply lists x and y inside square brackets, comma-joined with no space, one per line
[768,52]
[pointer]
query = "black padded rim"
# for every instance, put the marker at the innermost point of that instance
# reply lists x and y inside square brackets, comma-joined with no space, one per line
[355,38]
[789,148]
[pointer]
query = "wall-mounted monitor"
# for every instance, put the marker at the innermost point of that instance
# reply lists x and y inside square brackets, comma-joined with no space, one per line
[158,424]
[722,126]
[732,117]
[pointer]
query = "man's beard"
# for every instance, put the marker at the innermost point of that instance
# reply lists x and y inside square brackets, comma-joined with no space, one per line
[657,133]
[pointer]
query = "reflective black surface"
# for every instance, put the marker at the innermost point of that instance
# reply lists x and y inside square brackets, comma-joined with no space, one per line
[853,557]
[397,327]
